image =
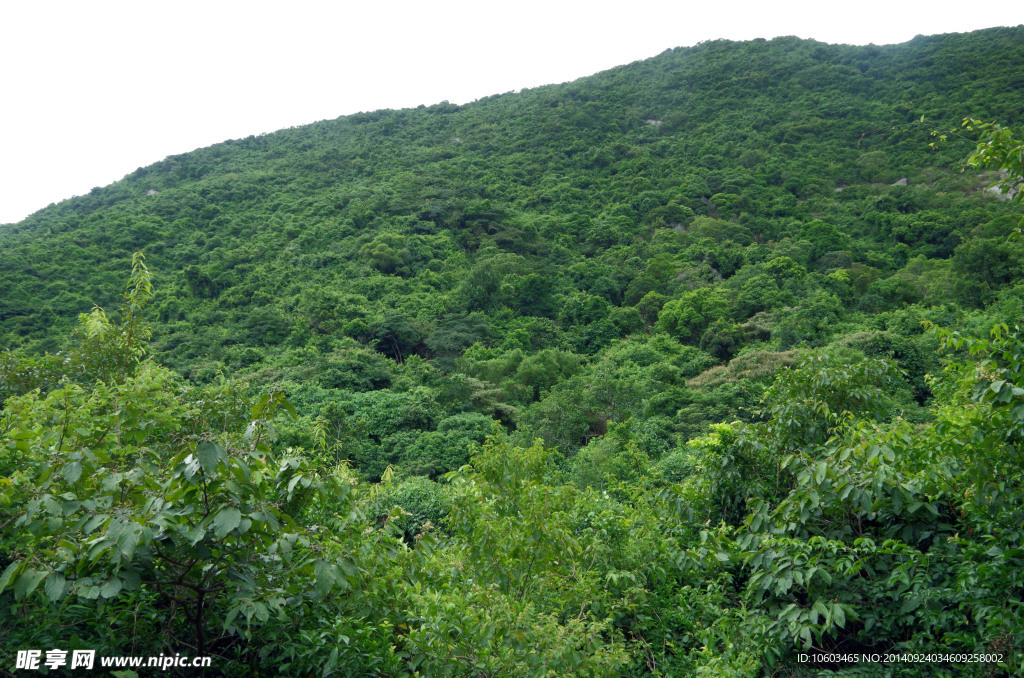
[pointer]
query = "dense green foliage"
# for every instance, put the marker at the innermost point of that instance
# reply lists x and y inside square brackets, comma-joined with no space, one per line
[681,369]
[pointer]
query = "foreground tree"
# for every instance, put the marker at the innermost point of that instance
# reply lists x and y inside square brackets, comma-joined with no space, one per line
[999,148]
[140,515]
[867,536]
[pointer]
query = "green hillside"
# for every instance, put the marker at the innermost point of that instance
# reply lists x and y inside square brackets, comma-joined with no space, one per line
[684,368]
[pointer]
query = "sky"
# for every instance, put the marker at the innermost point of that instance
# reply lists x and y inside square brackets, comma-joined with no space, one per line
[92,90]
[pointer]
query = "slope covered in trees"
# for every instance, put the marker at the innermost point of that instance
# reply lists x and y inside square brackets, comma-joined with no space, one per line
[626,376]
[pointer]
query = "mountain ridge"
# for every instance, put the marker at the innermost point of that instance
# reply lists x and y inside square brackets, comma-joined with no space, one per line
[542,153]
[996,35]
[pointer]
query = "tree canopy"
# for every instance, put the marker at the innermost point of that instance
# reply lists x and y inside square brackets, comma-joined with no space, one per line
[686,368]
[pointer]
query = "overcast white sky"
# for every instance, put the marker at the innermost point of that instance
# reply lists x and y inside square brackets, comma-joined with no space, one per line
[90,90]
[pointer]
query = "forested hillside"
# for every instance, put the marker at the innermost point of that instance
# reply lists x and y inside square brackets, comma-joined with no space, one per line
[685,368]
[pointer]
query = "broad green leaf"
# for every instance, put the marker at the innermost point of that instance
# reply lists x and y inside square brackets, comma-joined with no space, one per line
[128,540]
[54,586]
[195,535]
[820,469]
[130,580]
[111,588]
[349,568]
[260,407]
[8,575]
[89,592]
[72,472]
[209,455]
[27,583]
[839,616]
[52,506]
[325,576]
[225,521]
